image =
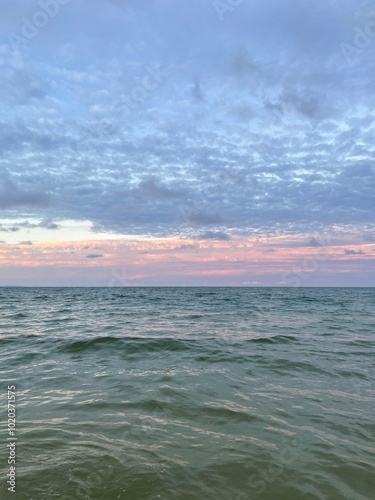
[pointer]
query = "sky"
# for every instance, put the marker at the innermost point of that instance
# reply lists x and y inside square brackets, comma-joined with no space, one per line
[187,143]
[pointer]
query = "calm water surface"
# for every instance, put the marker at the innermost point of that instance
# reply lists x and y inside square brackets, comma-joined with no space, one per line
[189,393]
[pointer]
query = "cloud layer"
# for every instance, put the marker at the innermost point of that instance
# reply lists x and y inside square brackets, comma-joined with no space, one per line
[199,120]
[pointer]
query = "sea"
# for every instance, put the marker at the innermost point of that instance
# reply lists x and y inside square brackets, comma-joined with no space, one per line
[187,393]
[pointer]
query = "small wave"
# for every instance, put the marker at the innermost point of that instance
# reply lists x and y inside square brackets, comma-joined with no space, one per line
[287,365]
[361,343]
[226,414]
[276,339]
[17,316]
[221,357]
[26,358]
[89,344]
[130,345]
[60,320]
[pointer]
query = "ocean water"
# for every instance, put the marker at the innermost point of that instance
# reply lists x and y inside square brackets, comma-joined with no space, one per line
[189,393]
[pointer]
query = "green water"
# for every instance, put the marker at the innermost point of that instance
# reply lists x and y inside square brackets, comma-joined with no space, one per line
[189,393]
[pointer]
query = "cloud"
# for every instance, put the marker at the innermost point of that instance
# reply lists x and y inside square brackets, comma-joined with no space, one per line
[155,188]
[8,229]
[12,196]
[47,224]
[94,256]
[354,252]
[259,124]
[202,217]
[214,235]
[183,247]
[369,236]
[313,242]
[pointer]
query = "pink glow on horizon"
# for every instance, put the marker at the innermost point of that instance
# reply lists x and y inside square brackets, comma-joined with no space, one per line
[157,259]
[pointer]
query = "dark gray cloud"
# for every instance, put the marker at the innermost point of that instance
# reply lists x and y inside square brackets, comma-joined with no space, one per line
[8,229]
[45,224]
[155,188]
[354,252]
[12,196]
[48,224]
[184,247]
[214,235]
[94,256]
